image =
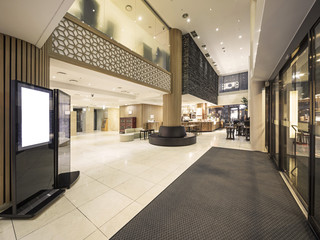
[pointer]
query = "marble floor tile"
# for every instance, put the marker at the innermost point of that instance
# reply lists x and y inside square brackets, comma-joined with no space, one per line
[6,230]
[117,222]
[134,187]
[73,225]
[104,207]
[82,194]
[97,235]
[59,208]
[148,196]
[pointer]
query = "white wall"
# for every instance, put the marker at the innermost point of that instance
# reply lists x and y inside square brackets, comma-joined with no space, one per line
[231,98]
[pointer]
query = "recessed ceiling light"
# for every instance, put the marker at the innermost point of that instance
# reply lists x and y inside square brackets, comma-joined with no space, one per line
[238,20]
[93,10]
[154,37]
[240,36]
[185,15]
[128,8]
[210,9]
[188,20]
[241,48]
[140,18]
[217,29]
[221,43]
[198,37]
[53,77]
[205,48]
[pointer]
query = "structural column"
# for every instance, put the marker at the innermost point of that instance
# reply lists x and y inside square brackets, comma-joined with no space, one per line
[172,102]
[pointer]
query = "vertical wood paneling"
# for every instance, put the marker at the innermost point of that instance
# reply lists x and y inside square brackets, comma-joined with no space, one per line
[22,61]
[29,63]
[19,59]
[33,68]
[37,66]
[7,117]
[13,58]
[2,200]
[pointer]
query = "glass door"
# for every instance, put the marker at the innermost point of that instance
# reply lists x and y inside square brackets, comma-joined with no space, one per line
[275,121]
[295,123]
[317,125]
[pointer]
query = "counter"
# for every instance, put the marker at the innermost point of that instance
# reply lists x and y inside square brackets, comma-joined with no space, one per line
[203,126]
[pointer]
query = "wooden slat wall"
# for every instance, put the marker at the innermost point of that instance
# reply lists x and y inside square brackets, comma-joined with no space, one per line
[21,61]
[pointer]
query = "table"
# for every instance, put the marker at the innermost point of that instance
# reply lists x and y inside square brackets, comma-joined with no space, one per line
[230,132]
[145,133]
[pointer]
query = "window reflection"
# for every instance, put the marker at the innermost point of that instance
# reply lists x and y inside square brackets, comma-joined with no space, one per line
[130,23]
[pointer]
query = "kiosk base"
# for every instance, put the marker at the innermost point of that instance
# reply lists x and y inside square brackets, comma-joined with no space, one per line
[34,205]
[66,180]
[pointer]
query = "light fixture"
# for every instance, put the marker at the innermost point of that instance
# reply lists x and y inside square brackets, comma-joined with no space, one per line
[53,77]
[238,20]
[198,37]
[93,10]
[140,18]
[210,9]
[205,48]
[221,43]
[240,36]
[241,48]
[185,15]
[318,60]
[217,29]
[128,8]
[103,107]
[154,37]
[188,20]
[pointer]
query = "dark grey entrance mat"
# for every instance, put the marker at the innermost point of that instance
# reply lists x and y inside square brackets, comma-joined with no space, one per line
[226,194]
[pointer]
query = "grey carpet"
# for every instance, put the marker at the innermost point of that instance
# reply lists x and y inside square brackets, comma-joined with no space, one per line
[226,194]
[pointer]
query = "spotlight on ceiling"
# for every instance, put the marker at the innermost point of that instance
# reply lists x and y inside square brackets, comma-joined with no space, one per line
[185,15]
[128,8]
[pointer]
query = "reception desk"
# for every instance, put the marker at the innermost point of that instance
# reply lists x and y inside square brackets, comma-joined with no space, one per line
[202,126]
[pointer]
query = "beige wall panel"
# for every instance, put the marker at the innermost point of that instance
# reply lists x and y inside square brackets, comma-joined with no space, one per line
[33,60]
[1,119]
[155,110]
[73,123]
[89,120]
[113,119]
[136,110]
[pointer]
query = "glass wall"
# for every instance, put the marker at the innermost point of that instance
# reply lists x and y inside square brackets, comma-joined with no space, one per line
[130,23]
[295,123]
[274,148]
[317,125]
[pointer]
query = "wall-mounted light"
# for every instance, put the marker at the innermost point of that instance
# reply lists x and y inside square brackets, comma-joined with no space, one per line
[130,112]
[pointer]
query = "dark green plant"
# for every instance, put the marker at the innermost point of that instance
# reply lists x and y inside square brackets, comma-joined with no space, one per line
[244,101]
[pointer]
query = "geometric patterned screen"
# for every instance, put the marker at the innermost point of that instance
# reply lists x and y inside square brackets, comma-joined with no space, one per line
[71,40]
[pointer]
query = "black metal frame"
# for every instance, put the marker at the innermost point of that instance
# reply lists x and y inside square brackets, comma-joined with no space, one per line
[308,41]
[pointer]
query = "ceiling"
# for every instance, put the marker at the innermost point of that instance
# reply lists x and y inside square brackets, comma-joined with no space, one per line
[232,18]
[89,88]
[32,20]
[274,31]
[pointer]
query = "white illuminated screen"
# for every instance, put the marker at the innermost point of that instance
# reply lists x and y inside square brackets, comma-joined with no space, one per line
[35,117]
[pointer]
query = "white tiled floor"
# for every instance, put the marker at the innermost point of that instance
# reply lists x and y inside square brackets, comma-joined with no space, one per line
[118,179]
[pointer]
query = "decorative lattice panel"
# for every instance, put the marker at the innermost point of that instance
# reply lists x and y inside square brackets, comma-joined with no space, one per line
[71,40]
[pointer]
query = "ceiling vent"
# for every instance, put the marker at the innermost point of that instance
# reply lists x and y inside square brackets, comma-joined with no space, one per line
[194,34]
[73,80]
[207,55]
[61,73]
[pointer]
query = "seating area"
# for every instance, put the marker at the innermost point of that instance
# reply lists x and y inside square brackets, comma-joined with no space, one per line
[135,131]
[238,128]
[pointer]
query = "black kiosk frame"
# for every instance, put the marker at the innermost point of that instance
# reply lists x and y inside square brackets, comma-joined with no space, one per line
[63,177]
[32,150]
